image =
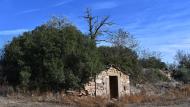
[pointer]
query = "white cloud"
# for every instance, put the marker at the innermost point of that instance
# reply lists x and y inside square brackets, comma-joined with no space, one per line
[104,5]
[27,11]
[166,35]
[39,9]
[13,32]
[62,3]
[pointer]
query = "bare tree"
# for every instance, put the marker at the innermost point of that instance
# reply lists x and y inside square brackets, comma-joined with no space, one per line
[146,54]
[99,26]
[58,22]
[96,26]
[123,38]
[183,59]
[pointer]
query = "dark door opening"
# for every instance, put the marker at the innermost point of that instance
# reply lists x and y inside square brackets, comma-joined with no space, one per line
[113,87]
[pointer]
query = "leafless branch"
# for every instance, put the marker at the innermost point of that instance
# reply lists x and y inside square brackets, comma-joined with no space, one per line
[96,27]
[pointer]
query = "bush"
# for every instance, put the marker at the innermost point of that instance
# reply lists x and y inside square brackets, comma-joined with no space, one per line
[182,74]
[51,58]
[152,62]
[154,75]
[124,58]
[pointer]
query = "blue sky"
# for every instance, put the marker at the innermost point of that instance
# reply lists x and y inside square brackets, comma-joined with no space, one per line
[159,25]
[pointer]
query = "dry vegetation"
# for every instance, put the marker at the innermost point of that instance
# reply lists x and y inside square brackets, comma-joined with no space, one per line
[172,96]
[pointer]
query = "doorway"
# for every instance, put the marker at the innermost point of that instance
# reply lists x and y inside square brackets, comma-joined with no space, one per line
[113,87]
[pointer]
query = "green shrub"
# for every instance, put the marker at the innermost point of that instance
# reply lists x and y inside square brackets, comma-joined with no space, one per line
[51,58]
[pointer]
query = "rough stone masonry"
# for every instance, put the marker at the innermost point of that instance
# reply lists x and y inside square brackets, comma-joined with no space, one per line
[111,83]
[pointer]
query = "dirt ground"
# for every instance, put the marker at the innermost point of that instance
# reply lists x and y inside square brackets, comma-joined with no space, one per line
[176,103]
[7,102]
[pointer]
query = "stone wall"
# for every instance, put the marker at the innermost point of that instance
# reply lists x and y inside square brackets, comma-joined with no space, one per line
[166,73]
[102,83]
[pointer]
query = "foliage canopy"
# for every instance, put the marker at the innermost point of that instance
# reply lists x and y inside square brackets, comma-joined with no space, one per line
[51,58]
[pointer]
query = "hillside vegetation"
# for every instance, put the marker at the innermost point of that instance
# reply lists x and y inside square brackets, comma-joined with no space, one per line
[58,56]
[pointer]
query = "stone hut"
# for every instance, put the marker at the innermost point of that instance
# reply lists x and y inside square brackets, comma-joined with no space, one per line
[110,83]
[167,73]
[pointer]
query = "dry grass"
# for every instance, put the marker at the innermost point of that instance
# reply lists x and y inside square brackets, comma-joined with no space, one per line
[169,97]
[140,98]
